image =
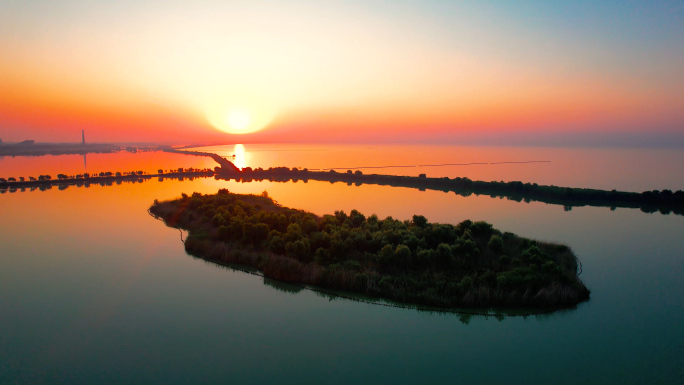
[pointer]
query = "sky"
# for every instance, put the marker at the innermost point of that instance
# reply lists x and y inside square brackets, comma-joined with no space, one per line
[482,72]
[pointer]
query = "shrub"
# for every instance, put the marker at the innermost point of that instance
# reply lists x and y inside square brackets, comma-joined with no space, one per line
[444,255]
[299,249]
[402,256]
[466,283]
[495,244]
[277,245]
[481,229]
[420,221]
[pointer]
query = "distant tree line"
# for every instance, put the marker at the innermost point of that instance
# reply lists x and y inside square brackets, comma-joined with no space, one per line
[663,201]
[95,177]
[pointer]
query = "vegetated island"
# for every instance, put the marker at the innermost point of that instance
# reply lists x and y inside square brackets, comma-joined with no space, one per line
[441,265]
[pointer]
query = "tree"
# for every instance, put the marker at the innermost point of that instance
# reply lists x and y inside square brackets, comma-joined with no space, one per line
[444,256]
[495,244]
[357,218]
[402,255]
[481,229]
[277,245]
[420,221]
[299,249]
[386,256]
[323,256]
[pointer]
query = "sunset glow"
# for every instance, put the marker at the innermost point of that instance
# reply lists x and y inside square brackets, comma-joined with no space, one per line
[341,191]
[342,71]
[238,120]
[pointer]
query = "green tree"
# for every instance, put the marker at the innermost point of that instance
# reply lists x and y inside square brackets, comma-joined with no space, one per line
[420,221]
[495,244]
[277,245]
[444,256]
[299,249]
[402,256]
[386,256]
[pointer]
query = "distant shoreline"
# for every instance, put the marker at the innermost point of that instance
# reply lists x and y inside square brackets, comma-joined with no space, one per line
[40,149]
[663,201]
[96,179]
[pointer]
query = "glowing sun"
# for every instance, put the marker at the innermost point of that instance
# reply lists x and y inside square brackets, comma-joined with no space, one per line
[238,120]
[239,117]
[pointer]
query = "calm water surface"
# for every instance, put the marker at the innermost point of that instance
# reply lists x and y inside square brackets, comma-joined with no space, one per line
[94,290]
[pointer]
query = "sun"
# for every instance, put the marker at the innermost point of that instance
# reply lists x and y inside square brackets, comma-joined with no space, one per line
[238,117]
[238,120]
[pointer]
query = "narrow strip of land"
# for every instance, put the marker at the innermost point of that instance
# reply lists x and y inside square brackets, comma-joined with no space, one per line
[663,201]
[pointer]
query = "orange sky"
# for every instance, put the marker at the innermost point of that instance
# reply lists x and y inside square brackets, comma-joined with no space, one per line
[340,71]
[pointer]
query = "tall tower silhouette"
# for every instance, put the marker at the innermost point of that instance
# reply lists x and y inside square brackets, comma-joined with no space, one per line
[83,137]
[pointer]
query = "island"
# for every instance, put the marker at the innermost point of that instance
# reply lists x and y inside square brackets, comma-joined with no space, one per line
[412,261]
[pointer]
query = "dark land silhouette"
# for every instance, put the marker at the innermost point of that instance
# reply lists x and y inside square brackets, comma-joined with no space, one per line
[28,148]
[63,181]
[663,201]
[470,264]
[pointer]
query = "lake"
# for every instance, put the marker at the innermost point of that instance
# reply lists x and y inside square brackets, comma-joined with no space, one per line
[95,290]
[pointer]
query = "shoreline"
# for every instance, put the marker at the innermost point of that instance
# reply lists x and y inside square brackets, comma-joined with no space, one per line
[663,201]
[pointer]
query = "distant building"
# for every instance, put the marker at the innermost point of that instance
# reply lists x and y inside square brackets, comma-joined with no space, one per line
[83,137]
[0,142]
[26,143]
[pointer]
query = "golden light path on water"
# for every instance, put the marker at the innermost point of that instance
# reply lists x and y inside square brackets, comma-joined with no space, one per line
[240,160]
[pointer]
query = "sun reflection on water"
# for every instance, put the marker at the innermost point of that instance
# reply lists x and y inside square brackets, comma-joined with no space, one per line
[240,160]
